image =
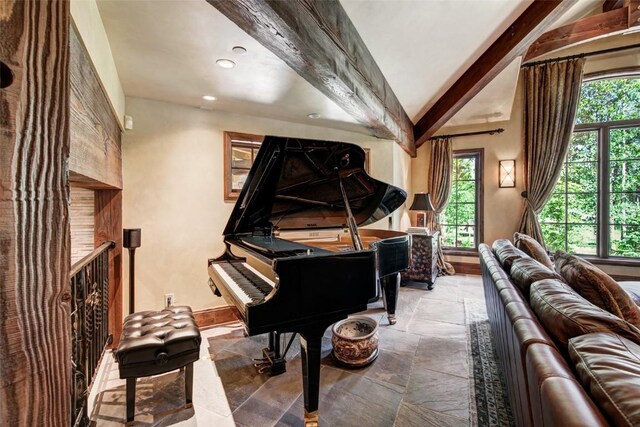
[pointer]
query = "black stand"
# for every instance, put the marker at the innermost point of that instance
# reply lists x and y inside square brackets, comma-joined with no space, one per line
[132,239]
[132,280]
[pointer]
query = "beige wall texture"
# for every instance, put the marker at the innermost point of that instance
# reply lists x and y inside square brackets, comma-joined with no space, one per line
[502,206]
[173,191]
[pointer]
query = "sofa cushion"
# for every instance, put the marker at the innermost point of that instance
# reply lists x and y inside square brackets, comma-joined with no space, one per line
[531,247]
[565,314]
[525,271]
[632,289]
[597,286]
[608,366]
[506,253]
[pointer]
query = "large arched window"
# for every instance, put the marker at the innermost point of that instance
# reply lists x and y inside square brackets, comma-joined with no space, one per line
[595,207]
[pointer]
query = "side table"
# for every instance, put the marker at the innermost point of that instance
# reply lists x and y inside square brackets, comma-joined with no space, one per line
[423,265]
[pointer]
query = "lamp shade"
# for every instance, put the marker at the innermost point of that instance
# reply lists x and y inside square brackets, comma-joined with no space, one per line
[421,202]
[507,173]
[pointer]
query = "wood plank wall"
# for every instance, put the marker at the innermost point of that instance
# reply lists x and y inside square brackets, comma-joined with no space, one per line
[35,343]
[82,223]
[96,153]
[96,164]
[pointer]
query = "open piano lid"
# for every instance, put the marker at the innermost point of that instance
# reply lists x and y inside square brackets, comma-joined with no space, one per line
[293,184]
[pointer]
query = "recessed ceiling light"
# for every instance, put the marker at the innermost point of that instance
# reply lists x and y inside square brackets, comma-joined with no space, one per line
[209,98]
[225,63]
[313,115]
[239,50]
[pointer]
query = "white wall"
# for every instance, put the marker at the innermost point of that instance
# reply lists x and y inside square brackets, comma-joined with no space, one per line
[87,20]
[173,190]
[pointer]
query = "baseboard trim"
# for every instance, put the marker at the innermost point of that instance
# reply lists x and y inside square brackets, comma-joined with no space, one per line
[466,268]
[215,316]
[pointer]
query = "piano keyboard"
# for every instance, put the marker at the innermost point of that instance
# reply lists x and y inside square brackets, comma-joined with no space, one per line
[247,283]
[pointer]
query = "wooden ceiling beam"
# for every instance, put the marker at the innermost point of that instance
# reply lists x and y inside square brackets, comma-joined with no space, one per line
[511,44]
[318,40]
[585,29]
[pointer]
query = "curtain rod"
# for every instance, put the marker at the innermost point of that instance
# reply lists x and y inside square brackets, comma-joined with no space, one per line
[455,135]
[582,55]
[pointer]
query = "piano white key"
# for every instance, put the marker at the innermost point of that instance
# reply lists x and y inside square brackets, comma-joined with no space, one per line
[262,276]
[231,284]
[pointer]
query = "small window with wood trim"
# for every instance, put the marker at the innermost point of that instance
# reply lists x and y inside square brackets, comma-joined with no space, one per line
[240,150]
[462,223]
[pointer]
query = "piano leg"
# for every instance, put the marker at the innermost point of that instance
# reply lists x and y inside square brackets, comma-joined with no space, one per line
[390,288]
[310,351]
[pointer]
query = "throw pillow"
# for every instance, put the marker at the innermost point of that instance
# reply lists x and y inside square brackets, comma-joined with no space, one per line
[531,247]
[597,286]
[608,367]
[525,271]
[506,253]
[565,314]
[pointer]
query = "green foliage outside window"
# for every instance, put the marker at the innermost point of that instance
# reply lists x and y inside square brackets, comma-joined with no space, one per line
[609,100]
[458,221]
[570,220]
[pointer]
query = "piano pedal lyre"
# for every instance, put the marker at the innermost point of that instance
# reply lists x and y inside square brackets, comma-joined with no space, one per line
[273,361]
[270,363]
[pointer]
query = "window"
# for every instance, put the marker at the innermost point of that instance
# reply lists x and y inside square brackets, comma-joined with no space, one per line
[240,150]
[595,206]
[461,221]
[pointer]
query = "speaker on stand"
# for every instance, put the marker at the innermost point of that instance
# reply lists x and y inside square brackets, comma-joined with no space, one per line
[131,239]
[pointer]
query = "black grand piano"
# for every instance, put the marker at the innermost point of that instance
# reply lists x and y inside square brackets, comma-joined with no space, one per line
[295,259]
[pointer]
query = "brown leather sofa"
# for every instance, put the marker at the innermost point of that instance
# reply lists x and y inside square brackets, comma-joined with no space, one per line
[538,362]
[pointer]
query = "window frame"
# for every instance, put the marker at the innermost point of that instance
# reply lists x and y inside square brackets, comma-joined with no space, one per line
[231,140]
[603,240]
[603,219]
[478,153]
[566,193]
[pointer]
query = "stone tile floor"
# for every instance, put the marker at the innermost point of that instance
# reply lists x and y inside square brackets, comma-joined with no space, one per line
[421,377]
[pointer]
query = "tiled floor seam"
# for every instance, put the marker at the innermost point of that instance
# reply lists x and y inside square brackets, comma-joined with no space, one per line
[413,362]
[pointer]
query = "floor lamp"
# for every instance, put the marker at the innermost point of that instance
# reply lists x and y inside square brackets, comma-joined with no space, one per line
[131,239]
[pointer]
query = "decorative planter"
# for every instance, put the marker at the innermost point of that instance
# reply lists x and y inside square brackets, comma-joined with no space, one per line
[355,341]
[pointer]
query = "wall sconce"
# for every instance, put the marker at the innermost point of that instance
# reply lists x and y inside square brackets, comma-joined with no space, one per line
[507,173]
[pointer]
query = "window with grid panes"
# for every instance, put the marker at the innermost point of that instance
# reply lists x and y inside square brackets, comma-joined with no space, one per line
[595,206]
[461,221]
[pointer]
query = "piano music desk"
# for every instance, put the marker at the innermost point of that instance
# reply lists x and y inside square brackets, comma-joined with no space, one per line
[423,265]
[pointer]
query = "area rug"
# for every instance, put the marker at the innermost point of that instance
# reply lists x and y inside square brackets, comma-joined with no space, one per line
[488,396]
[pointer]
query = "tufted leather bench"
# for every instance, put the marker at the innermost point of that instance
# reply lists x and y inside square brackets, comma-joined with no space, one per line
[156,342]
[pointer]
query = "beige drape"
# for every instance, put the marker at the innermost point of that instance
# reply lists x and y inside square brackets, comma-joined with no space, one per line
[550,102]
[439,188]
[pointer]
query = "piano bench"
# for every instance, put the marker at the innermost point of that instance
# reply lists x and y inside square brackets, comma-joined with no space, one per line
[156,342]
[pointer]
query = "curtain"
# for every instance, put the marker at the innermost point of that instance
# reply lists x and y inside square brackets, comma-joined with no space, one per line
[550,102]
[439,187]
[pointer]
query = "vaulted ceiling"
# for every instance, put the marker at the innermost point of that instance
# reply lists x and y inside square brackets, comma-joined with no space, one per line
[167,50]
